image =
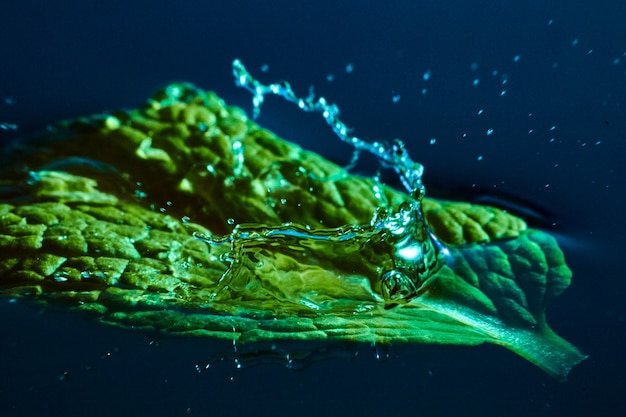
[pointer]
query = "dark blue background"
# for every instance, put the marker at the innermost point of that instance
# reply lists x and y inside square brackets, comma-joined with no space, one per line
[77,57]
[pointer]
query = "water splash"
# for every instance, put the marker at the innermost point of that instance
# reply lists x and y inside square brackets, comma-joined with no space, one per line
[392,155]
[396,241]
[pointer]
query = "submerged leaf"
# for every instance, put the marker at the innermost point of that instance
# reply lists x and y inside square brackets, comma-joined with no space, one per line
[186,217]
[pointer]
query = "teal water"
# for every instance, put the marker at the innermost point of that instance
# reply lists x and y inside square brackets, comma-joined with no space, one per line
[543,132]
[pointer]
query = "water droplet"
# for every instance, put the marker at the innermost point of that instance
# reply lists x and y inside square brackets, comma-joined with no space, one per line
[349,68]
[489,132]
[426,75]
[381,352]
[330,78]
[64,376]
[395,98]
[516,58]
[476,81]
[265,68]
[480,158]
[481,111]
[185,219]
[8,126]
[61,276]
[432,141]
[230,221]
